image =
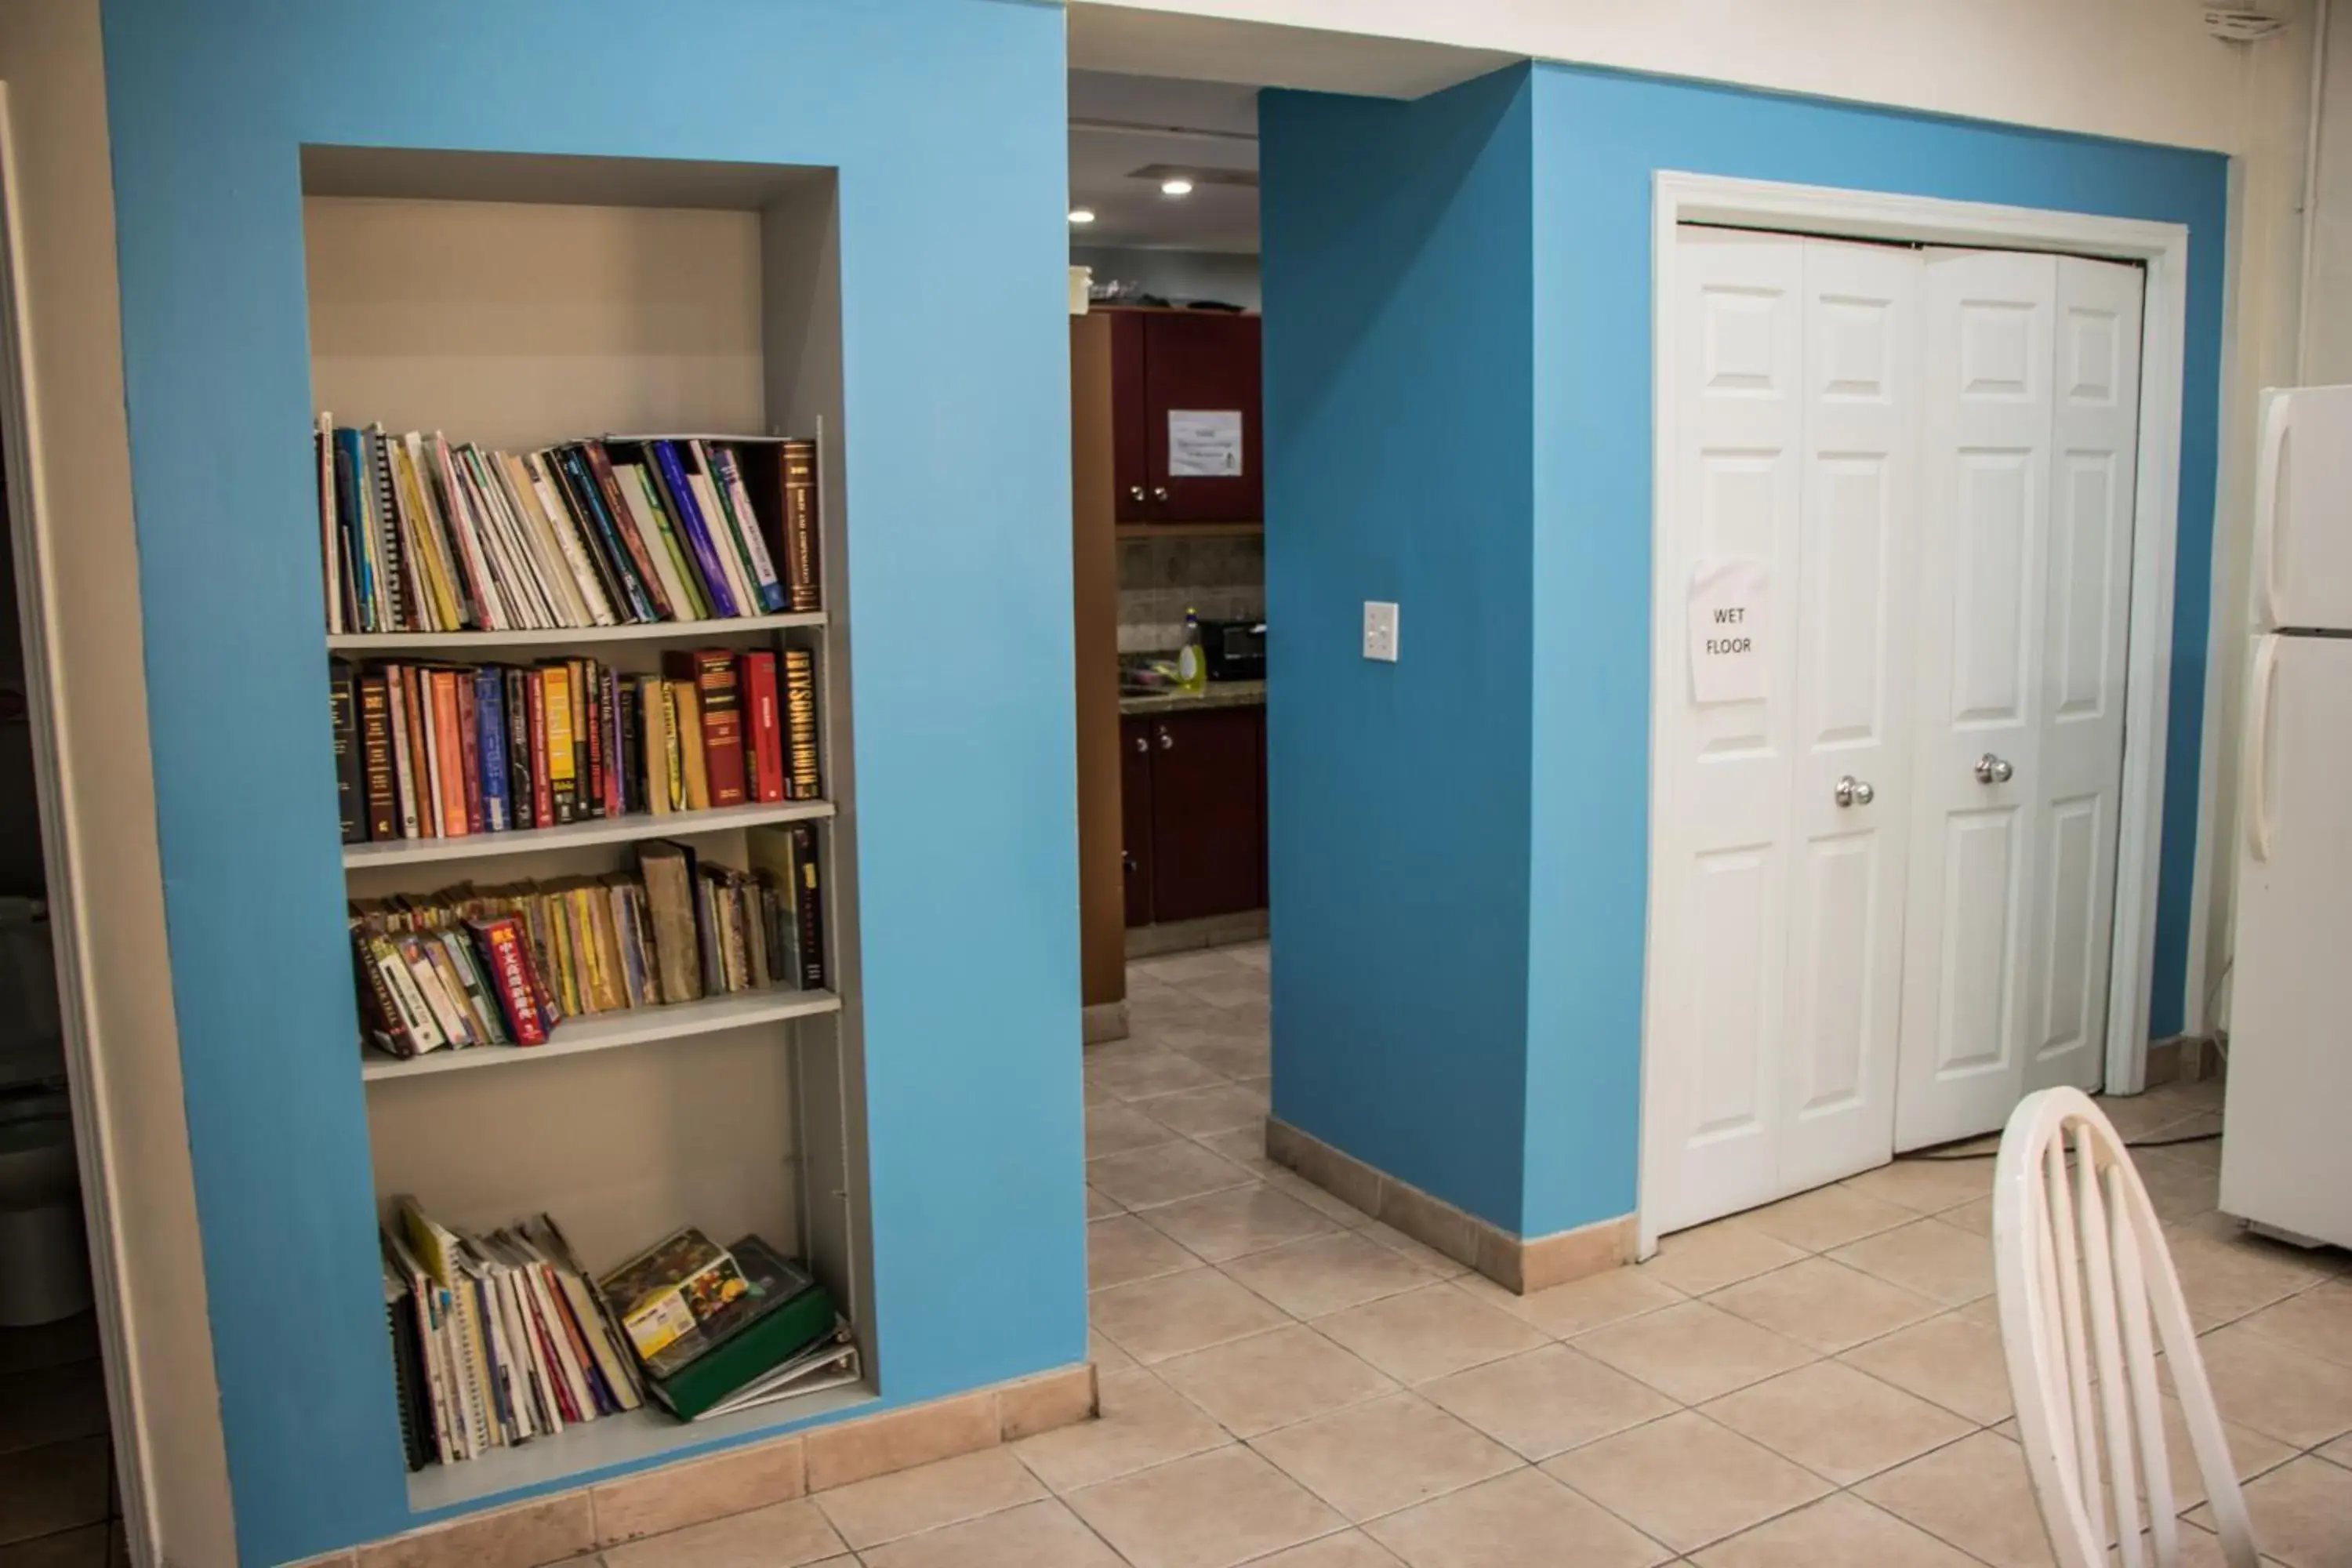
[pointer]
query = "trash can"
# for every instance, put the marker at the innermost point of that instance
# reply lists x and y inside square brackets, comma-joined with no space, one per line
[44,1259]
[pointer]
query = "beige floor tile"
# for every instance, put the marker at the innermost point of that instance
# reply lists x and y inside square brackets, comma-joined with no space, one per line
[1524,1519]
[1348,1549]
[52,1404]
[1838,1422]
[1823,1304]
[782,1535]
[1928,1185]
[2318,1320]
[1972,1494]
[1429,1332]
[1953,1361]
[1827,1216]
[1155,1319]
[2277,1389]
[1944,1263]
[1841,1531]
[1271,1380]
[2179,1189]
[1106,1356]
[2302,1514]
[1035,1535]
[1330,1204]
[1582,1305]
[2251,1454]
[2140,1115]
[1193,964]
[1235,1056]
[1246,1147]
[1145,1178]
[1429,1257]
[1115,1128]
[1713,1256]
[61,1487]
[1373,1460]
[1974,1217]
[1208,1511]
[1548,1401]
[1240,992]
[1122,1250]
[1221,1226]
[1152,1071]
[1694,1351]
[1686,1480]
[1196,1111]
[1328,1274]
[1101,1207]
[1144,1422]
[928,1495]
[2340,1451]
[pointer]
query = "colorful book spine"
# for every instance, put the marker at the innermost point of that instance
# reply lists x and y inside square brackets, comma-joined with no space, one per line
[679,494]
[376,758]
[727,479]
[351,779]
[491,719]
[764,720]
[803,571]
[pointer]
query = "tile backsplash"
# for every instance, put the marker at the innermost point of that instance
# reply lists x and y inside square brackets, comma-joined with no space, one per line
[1160,579]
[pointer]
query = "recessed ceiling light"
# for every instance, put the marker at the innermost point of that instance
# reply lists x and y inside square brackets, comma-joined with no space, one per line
[1179,186]
[1082,215]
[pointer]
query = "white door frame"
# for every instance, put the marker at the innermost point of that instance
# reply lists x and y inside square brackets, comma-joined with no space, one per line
[2163,247]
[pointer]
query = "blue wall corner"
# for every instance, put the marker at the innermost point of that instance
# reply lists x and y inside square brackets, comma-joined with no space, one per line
[1398,379]
[944,117]
[1458,378]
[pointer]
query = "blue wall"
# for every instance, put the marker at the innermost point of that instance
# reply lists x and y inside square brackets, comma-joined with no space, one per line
[1398,408]
[944,117]
[1576,902]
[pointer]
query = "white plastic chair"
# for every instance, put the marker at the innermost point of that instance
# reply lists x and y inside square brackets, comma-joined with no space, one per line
[2082,1267]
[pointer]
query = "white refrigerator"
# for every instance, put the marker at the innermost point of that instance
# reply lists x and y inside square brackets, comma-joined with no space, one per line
[2286,1144]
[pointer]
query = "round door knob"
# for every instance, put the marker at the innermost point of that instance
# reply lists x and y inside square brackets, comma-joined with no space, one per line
[1135,492]
[1159,492]
[1852,791]
[1142,744]
[1167,742]
[1993,770]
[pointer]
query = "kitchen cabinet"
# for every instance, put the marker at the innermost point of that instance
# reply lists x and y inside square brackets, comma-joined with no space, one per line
[1188,365]
[1194,814]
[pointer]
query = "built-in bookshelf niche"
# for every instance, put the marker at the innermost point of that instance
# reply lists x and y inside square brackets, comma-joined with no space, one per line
[518,303]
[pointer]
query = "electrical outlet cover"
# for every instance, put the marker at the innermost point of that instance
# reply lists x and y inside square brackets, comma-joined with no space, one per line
[1379,631]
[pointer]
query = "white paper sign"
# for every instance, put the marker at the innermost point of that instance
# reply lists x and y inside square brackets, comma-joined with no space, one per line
[1204,444]
[1730,599]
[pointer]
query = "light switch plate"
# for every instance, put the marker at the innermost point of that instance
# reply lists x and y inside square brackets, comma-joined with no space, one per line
[1379,631]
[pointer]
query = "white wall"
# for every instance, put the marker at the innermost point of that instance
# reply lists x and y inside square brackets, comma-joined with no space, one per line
[1177,276]
[103,868]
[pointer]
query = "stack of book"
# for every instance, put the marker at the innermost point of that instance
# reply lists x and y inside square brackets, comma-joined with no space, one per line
[418,535]
[440,751]
[496,1339]
[503,965]
[719,1329]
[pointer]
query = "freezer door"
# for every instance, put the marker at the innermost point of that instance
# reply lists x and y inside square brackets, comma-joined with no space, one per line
[2303,509]
[2286,1144]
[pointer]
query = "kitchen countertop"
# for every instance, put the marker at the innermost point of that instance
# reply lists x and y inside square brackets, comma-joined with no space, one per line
[1219,694]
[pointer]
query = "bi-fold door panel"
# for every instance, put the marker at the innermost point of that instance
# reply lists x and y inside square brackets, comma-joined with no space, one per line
[1776,977]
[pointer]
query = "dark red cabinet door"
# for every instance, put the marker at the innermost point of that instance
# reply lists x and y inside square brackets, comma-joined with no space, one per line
[1205,367]
[1131,448]
[1135,814]
[1207,822]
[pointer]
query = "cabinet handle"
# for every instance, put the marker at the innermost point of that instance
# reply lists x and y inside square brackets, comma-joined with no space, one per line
[1142,744]
[1167,742]
[1135,492]
[1159,492]
[1133,865]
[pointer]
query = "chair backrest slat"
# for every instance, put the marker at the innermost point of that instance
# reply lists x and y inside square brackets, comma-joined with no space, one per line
[2087,1294]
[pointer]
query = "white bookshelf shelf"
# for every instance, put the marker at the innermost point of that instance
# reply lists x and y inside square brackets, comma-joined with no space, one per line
[633,1438]
[557,636]
[636,824]
[610,1031]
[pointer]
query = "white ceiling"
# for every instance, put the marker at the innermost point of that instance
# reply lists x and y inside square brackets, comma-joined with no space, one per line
[1120,123]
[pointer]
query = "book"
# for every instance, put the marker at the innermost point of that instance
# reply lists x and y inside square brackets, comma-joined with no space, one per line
[669,873]
[663,1292]
[377,785]
[780,1311]
[804,572]
[763,723]
[830,1362]
[802,779]
[512,986]
[784,859]
[678,495]
[735,500]
[351,776]
[719,706]
[686,724]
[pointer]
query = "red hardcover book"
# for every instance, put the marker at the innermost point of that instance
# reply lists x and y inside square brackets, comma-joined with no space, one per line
[506,953]
[720,703]
[448,755]
[543,797]
[757,672]
[470,749]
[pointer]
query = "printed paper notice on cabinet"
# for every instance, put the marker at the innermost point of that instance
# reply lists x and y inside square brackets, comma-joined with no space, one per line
[1730,597]
[1204,444]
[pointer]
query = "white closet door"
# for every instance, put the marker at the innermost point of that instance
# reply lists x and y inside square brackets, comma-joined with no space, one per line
[2077,787]
[1777,972]
[1718,971]
[1853,628]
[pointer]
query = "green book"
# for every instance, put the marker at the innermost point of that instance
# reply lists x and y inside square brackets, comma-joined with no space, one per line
[784,1312]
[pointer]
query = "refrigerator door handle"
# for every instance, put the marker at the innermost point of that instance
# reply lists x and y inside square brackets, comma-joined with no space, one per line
[2258,746]
[2277,419]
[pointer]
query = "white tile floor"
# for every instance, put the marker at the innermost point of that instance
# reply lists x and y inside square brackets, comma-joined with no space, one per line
[1286,1383]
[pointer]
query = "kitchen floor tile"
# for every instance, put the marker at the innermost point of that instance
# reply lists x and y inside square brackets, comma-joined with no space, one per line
[1143,1423]
[1209,1512]
[1328,1274]
[1837,1421]
[1927,1185]
[2318,1320]
[1271,1380]
[1548,1401]
[2277,1389]
[1153,1071]
[1826,1217]
[948,1491]
[1525,1520]
[1429,1332]
[1972,1494]
[782,1535]
[1694,1351]
[1122,1250]
[1221,1226]
[2302,1514]
[1841,1531]
[1686,1480]
[1196,1111]
[1373,1459]
[1944,1263]
[1348,1549]
[1823,1304]
[1953,1361]
[1117,1129]
[1713,1256]
[1582,1305]
[1145,1178]
[1155,1319]
[1035,1535]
